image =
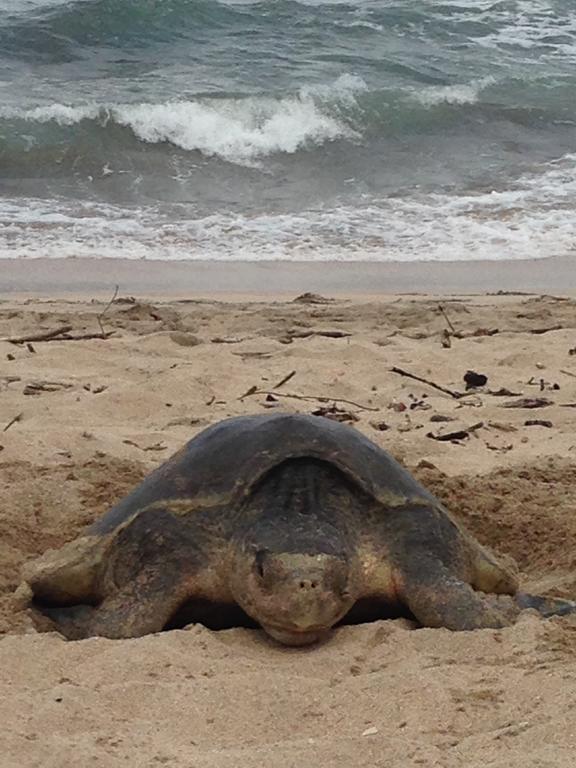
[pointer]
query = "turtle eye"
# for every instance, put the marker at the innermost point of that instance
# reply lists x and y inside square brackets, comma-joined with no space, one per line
[259,562]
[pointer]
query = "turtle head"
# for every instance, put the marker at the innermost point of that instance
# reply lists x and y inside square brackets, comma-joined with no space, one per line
[296,597]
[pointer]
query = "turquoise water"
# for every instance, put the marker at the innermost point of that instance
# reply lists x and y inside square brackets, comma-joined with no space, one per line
[380,130]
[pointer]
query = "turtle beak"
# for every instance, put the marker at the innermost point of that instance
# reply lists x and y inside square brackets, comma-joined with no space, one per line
[293,637]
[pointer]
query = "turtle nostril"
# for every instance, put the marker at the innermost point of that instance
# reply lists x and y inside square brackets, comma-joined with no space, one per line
[308,584]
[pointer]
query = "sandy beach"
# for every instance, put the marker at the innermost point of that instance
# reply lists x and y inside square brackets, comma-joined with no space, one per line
[83,419]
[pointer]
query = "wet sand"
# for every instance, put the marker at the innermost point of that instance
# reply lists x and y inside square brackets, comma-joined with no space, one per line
[50,277]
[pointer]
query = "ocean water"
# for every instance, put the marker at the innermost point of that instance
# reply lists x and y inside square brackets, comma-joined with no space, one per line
[346,130]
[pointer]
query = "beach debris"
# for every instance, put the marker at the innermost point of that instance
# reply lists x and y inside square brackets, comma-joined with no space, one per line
[503,392]
[56,334]
[474,401]
[439,417]
[296,333]
[211,400]
[528,402]
[95,390]
[5,381]
[320,398]
[500,448]
[30,348]
[10,357]
[419,403]
[425,464]
[227,340]
[250,391]
[542,383]
[285,380]
[39,336]
[397,406]
[153,447]
[457,435]
[474,379]
[184,339]
[568,373]
[100,317]
[312,298]
[37,387]
[335,413]
[451,332]
[572,351]
[451,392]
[256,355]
[372,731]
[381,426]
[567,405]
[538,423]
[483,332]
[547,329]
[185,421]
[448,321]
[502,426]
[13,421]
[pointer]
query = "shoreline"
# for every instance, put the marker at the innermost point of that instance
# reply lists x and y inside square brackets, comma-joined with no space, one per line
[50,277]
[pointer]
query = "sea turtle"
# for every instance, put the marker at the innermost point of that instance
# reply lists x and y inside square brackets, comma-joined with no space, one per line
[296,522]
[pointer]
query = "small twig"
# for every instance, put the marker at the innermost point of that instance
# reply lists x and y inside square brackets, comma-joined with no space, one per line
[328,334]
[85,336]
[285,380]
[106,308]
[16,419]
[549,328]
[451,392]
[445,316]
[42,336]
[460,434]
[320,398]
[226,340]
[567,405]
[568,373]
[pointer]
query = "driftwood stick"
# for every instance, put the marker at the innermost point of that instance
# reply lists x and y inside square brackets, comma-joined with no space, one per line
[445,316]
[106,308]
[451,392]
[40,336]
[84,336]
[285,380]
[319,398]
[16,418]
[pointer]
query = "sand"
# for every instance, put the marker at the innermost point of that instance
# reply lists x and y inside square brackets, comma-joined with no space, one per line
[382,694]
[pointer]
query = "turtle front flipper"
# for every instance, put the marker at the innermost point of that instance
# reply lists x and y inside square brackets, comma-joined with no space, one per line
[438,598]
[142,607]
[151,570]
[546,606]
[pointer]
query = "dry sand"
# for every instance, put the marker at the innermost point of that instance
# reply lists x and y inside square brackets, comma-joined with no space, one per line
[381,694]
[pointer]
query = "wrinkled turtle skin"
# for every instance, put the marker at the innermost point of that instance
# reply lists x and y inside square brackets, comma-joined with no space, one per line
[294,522]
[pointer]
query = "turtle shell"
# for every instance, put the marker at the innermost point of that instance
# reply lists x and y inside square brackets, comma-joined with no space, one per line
[222,463]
